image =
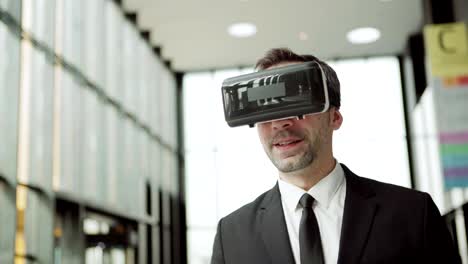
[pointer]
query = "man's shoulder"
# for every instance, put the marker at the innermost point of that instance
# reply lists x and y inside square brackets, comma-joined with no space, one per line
[365,184]
[396,202]
[391,191]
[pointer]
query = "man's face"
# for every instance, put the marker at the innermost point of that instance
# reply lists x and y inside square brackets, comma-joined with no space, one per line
[293,144]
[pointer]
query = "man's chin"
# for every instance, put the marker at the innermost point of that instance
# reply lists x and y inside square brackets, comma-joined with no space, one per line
[292,163]
[287,165]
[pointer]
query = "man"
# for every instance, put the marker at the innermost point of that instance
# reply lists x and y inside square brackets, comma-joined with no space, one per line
[320,211]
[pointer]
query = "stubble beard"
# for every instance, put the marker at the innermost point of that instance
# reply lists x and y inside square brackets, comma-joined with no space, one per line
[299,161]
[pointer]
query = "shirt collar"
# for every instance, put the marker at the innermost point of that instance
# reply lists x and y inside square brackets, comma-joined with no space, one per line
[322,192]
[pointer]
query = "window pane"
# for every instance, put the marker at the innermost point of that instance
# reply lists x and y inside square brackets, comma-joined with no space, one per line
[93,40]
[200,245]
[201,194]
[38,19]
[71,31]
[70,136]
[40,84]
[155,167]
[373,130]
[199,97]
[130,67]
[89,144]
[113,142]
[13,7]
[9,83]
[7,218]
[114,27]
[35,216]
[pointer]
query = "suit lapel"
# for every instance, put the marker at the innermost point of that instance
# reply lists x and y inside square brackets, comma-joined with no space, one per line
[359,212]
[273,228]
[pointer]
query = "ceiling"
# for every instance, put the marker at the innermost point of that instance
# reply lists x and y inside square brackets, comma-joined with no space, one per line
[193,34]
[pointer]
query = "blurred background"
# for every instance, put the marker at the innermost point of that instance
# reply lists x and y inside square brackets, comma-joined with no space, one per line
[113,144]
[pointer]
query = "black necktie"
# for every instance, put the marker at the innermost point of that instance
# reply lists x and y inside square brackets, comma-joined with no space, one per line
[309,234]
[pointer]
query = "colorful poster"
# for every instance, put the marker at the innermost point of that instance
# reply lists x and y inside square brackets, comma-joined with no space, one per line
[451,101]
[454,157]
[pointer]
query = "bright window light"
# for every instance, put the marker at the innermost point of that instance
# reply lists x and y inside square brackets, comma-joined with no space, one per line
[363,35]
[242,30]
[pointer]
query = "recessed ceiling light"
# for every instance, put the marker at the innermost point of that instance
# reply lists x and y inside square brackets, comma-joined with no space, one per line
[303,35]
[363,35]
[242,30]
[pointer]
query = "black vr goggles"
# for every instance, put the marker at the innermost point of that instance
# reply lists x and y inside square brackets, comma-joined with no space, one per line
[279,93]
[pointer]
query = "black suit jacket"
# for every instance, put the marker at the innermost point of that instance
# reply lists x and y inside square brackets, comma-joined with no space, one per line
[382,223]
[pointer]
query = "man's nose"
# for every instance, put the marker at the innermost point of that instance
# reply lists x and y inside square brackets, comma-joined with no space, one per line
[282,124]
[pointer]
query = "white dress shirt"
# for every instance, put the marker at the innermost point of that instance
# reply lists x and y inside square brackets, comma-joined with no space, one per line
[329,194]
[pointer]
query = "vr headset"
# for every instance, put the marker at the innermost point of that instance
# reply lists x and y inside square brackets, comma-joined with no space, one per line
[279,93]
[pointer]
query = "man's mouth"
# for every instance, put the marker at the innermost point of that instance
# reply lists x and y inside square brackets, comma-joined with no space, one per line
[286,144]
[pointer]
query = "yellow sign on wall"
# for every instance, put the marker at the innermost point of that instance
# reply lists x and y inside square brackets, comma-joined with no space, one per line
[447,48]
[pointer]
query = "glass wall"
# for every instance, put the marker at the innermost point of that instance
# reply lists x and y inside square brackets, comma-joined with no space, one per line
[87,119]
[9,83]
[373,131]
[227,168]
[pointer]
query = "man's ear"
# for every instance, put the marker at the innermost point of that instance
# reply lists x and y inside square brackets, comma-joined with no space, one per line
[336,119]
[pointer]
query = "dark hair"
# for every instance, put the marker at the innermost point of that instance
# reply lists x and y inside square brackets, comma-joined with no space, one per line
[280,55]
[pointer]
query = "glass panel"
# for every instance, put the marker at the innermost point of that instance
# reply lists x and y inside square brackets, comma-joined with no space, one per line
[156,113]
[89,140]
[70,135]
[175,174]
[201,189]
[173,133]
[38,19]
[125,175]
[165,170]
[69,240]
[103,152]
[95,255]
[93,40]
[374,126]
[146,84]
[200,245]
[41,89]
[168,109]
[136,178]
[72,29]
[142,152]
[117,256]
[9,83]
[237,165]
[13,7]
[7,218]
[139,82]
[114,148]
[377,153]
[114,39]
[34,225]
[122,149]
[362,115]
[155,165]
[200,100]
[130,67]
